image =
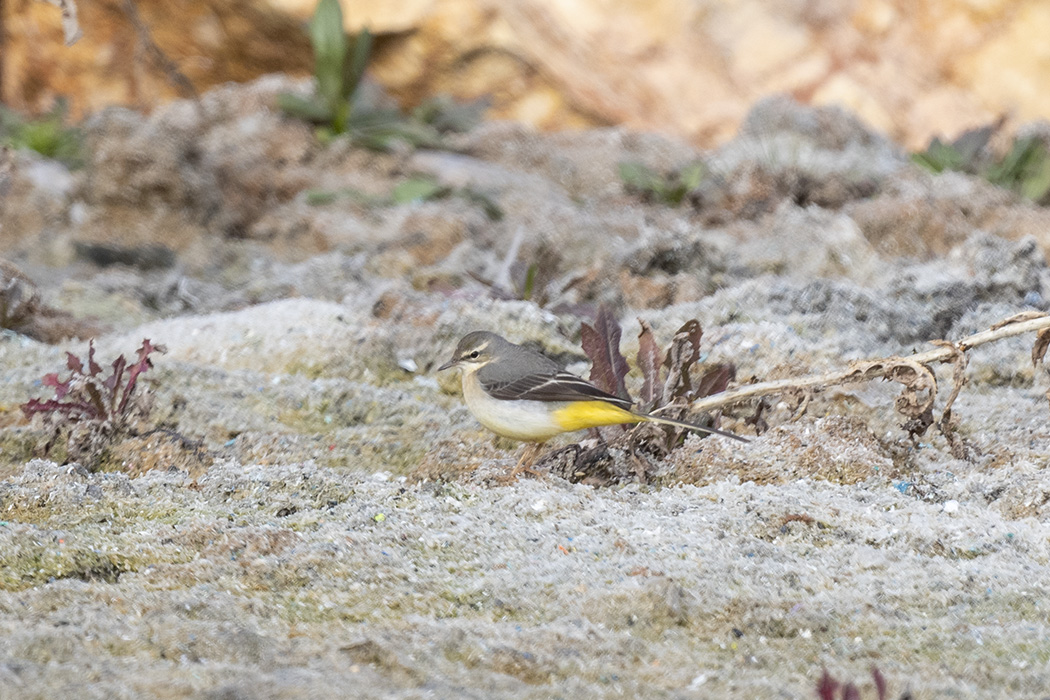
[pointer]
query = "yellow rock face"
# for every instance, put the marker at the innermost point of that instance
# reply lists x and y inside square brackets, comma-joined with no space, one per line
[911,69]
[210,43]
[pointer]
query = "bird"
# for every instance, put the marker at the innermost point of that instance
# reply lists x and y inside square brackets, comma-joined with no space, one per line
[523,395]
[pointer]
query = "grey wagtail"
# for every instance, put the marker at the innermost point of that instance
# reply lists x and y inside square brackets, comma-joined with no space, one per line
[520,394]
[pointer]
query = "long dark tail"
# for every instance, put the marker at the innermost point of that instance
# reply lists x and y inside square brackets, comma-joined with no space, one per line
[690,426]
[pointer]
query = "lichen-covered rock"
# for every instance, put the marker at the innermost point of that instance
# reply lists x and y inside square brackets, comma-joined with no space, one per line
[311,507]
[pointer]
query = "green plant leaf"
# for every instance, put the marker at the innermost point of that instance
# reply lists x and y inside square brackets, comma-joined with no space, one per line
[321,197]
[1025,169]
[691,176]
[940,156]
[669,189]
[47,134]
[1006,172]
[1022,169]
[638,177]
[310,110]
[317,198]
[488,205]
[417,189]
[530,282]
[354,69]
[330,46]
[447,115]
[1037,185]
[383,129]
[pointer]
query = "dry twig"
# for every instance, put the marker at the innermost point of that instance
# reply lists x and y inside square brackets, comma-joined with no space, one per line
[913,371]
[159,58]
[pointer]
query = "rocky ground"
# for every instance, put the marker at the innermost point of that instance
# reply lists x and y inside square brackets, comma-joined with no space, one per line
[309,511]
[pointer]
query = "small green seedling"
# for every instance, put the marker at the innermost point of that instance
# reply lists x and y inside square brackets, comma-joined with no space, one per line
[670,188]
[338,106]
[1024,169]
[48,134]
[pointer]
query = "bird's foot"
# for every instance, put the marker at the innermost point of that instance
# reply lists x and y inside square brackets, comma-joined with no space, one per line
[528,458]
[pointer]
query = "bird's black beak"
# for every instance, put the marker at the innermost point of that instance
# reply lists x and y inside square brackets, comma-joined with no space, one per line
[447,365]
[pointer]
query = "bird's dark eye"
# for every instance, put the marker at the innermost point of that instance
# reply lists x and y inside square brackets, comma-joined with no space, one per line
[474,355]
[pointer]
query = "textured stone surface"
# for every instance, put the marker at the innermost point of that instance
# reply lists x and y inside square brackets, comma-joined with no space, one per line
[911,70]
[317,509]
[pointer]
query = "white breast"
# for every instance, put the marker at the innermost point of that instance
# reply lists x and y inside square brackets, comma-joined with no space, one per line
[519,420]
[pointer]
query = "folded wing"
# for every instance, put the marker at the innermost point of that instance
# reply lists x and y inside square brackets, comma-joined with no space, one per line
[560,386]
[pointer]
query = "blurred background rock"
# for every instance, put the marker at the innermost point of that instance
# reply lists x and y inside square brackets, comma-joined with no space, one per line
[688,68]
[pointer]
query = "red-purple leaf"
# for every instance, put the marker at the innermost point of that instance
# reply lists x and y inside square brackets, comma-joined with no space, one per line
[71,409]
[880,682]
[650,358]
[850,692]
[112,384]
[61,388]
[97,403]
[146,348]
[827,686]
[715,380]
[93,397]
[74,364]
[93,369]
[136,369]
[113,380]
[37,406]
[602,346]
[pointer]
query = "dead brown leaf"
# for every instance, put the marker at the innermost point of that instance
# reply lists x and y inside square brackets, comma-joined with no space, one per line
[650,358]
[1042,342]
[602,345]
[915,401]
[681,356]
[715,380]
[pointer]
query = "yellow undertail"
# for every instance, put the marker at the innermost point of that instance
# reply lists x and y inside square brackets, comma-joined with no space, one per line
[591,414]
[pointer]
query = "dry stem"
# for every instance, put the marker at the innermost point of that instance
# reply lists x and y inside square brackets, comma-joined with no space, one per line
[160,59]
[946,351]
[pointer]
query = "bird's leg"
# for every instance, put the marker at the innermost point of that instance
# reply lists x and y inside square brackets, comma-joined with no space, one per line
[528,458]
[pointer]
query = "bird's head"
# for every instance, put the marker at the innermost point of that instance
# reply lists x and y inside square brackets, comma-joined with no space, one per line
[474,351]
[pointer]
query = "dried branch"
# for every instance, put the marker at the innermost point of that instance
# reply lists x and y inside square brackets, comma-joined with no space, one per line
[159,58]
[958,447]
[912,371]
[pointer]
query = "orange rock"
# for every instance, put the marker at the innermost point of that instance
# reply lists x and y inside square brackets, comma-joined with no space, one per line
[210,42]
[911,69]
